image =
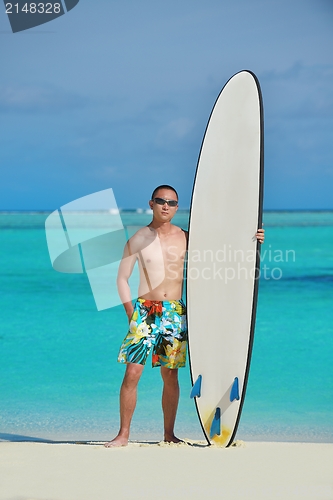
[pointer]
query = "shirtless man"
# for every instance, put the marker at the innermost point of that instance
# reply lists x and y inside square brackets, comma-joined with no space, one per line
[158,318]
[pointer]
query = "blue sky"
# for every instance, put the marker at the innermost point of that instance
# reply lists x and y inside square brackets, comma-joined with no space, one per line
[117,94]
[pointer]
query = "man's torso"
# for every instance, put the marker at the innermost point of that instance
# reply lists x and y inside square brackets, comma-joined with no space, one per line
[161,262]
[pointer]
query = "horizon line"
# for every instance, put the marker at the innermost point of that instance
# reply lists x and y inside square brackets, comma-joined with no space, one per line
[147,211]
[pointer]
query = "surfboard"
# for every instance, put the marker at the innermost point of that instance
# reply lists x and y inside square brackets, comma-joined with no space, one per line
[224,256]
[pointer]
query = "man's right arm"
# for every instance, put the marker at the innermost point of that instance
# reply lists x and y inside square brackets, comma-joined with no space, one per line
[124,272]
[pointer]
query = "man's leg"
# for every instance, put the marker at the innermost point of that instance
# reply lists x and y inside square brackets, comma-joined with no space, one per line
[170,399]
[127,403]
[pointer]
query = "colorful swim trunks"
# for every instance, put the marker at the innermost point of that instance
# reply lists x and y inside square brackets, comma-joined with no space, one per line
[158,325]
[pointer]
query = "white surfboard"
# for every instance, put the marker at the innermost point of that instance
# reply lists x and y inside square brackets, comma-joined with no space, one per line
[223,256]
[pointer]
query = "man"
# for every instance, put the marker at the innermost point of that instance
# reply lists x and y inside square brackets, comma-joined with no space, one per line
[158,318]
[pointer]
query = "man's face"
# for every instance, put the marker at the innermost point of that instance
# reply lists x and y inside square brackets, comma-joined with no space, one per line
[163,212]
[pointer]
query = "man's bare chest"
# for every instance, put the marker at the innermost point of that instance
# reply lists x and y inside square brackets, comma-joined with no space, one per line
[163,252]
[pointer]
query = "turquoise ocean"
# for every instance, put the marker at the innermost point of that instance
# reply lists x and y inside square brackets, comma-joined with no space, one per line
[59,378]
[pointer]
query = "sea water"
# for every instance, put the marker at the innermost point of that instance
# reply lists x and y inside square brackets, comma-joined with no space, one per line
[59,379]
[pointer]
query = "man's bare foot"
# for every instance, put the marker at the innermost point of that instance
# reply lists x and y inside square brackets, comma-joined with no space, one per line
[117,442]
[172,439]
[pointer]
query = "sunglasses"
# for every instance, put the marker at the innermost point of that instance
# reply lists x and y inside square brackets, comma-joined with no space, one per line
[162,201]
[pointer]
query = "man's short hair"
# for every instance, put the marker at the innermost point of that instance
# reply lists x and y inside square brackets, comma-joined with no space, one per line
[163,186]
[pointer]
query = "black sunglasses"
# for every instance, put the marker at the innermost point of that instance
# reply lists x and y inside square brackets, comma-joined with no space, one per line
[161,201]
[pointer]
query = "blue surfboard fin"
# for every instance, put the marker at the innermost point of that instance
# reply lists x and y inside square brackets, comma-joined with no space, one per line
[196,389]
[215,428]
[234,392]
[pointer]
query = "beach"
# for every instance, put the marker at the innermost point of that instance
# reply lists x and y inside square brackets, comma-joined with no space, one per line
[59,383]
[86,471]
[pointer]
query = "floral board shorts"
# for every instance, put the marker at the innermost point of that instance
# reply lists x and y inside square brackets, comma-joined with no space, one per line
[158,325]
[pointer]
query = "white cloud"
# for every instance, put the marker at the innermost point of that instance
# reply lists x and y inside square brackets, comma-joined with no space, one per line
[174,130]
[300,92]
[105,173]
[16,98]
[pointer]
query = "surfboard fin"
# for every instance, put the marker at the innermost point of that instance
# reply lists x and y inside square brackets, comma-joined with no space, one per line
[196,389]
[234,392]
[215,428]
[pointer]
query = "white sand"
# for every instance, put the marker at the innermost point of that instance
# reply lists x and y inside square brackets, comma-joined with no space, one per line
[35,471]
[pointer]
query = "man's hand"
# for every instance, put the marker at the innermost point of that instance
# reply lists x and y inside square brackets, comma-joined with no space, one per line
[129,309]
[260,235]
[129,315]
